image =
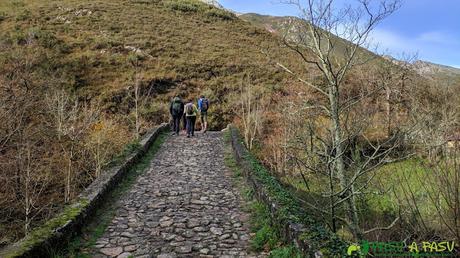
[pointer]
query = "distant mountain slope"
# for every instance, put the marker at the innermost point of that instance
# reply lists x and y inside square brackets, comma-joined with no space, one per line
[274,24]
[437,71]
[214,3]
[441,73]
[282,25]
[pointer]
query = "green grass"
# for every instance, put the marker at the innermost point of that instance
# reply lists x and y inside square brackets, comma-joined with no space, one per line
[405,185]
[286,252]
[103,216]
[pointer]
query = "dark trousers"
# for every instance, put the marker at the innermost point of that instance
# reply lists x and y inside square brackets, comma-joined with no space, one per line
[176,123]
[191,125]
[184,119]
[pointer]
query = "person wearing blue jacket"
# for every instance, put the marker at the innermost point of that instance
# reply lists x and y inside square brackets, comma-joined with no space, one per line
[203,106]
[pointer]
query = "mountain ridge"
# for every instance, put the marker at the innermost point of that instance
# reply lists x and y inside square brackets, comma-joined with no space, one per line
[280,25]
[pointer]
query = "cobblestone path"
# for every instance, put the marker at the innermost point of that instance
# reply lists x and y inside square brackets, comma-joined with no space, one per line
[184,205]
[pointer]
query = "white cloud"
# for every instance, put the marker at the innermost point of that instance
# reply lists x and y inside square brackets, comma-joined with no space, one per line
[436,37]
[434,46]
[392,41]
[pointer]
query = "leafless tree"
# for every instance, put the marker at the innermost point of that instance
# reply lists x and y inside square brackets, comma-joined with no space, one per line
[72,122]
[319,42]
[251,112]
[434,111]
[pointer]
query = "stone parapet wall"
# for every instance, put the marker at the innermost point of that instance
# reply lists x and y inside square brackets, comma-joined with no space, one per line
[56,233]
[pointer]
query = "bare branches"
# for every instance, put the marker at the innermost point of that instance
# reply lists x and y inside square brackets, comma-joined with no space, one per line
[251,112]
[333,38]
[383,228]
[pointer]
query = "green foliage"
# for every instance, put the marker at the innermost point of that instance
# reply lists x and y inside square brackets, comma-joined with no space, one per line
[45,39]
[220,14]
[23,15]
[265,238]
[185,6]
[194,6]
[286,252]
[290,209]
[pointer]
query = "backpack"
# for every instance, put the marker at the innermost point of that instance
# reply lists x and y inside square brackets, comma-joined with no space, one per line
[204,105]
[176,106]
[189,109]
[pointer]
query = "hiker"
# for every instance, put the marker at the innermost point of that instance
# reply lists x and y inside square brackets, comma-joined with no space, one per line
[176,109]
[203,106]
[190,112]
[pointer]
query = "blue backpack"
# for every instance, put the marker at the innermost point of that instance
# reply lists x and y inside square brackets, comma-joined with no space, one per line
[204,105]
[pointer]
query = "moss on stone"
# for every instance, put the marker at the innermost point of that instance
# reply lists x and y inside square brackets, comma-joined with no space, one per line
[44,232]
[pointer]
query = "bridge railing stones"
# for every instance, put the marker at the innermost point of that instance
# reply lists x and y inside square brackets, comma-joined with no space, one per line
[292,232]
[82,209]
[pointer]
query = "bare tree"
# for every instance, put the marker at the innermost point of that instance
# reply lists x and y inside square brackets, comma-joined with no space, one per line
[71,122]
[318,42]
[134,91]
[251,112]
[434,111]
[102,143]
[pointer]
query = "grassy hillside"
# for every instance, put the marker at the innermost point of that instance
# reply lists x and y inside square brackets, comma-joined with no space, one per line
[183,46]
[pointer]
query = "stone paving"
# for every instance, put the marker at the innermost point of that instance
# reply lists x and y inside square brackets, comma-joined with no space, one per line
[183,206]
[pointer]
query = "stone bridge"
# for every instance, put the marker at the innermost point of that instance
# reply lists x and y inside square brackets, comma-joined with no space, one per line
[184,205]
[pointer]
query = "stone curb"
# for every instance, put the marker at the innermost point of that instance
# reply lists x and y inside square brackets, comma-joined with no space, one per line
[89,200]
[291,232]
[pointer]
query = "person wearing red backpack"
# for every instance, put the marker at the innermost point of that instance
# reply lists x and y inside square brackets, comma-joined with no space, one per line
[203,106]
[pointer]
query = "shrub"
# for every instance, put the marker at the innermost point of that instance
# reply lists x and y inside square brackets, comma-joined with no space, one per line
[266,237]
[24,15]
[3,16]
[286,252]
[186,6]
[220,14]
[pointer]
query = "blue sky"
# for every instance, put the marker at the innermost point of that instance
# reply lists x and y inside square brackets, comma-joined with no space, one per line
[429,28]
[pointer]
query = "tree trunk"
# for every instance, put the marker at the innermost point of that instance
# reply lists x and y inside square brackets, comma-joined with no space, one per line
[388,109]
[337,141]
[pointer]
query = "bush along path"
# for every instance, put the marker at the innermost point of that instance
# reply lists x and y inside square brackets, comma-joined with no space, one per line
[184,205]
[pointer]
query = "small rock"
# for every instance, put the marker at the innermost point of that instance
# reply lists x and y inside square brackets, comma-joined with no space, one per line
[216,231]
[204,251]
[199,229]
[193,223]
[169,255]
[165,218]
[130,248]
[113,252]
[124,255]
[127,234]
[225,236]
[166,224]
[184,249]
